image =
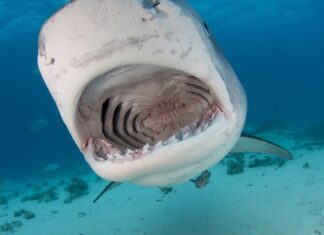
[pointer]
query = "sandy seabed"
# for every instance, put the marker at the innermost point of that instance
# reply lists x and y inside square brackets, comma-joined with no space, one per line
[267,200]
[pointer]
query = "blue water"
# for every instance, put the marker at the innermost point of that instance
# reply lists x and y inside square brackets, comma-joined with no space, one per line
[276,48]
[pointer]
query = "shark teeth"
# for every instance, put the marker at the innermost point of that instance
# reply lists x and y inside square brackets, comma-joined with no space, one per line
[179,136]
[186,136]
[117,156]
[146,148]
[171,140]
[196,132]
[157,145]
[195,128]
[205,127]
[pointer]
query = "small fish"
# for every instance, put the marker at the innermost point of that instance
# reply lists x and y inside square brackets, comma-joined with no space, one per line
[52,167]
[38,125]
[202,180]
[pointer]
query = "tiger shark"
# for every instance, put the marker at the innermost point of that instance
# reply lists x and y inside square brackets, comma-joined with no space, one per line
[144,90]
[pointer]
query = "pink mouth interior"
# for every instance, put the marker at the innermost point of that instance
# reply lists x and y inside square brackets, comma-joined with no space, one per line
[129,121]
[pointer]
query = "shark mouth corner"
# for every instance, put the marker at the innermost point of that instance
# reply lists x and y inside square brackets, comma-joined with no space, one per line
[143,108]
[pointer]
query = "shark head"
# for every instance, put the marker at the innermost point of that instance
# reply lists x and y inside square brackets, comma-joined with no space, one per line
[142,87]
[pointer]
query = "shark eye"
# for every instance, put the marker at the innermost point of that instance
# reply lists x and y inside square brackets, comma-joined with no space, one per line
[206,28]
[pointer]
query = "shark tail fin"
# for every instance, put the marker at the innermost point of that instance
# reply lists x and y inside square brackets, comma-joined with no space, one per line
[250,143]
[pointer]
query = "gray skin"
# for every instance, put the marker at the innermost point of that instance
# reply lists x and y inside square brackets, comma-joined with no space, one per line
[120,91]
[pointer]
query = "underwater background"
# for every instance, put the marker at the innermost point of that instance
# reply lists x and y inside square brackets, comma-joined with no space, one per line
[276,47]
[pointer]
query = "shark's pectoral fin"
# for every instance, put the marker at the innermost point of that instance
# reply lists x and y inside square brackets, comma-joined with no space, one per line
[109,187]
[250,143]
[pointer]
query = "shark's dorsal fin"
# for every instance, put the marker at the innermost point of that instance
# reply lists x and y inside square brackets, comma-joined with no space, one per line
[253,144]
[110,186]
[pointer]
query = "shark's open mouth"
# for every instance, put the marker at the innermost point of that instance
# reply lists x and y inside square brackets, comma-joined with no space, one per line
[132,119]
[154,104]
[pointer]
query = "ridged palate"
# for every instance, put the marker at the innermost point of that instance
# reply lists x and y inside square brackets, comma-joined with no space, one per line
[154,111]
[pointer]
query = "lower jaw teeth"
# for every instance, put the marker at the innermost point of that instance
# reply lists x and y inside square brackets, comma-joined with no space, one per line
[196,132]
[183,134]
[171,140]
[179,136]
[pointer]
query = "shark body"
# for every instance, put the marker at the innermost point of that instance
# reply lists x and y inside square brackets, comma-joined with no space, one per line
[144,90]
